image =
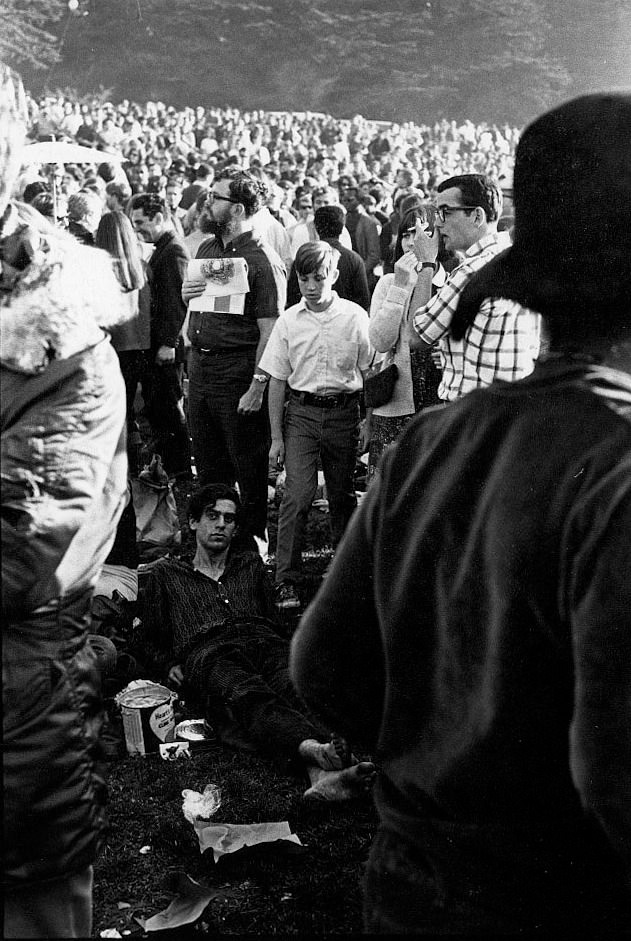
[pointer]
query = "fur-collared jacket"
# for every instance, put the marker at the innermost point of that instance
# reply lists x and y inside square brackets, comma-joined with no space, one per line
[64,468]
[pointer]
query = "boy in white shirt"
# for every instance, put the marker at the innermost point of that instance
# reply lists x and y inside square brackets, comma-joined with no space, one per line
[318,352]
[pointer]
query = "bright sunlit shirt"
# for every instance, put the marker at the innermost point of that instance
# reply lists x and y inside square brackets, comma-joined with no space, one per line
[322,353]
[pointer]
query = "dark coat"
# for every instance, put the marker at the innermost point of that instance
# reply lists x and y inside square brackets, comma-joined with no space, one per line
[63,484]
[165,272]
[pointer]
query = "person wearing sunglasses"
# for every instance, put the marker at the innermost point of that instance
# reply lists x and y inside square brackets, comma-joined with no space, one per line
[504,340]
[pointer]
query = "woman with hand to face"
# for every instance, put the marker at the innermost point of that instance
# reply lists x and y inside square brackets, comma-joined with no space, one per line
[396,297]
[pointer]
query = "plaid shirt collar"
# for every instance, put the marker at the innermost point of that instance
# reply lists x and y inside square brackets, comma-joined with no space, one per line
[493,238]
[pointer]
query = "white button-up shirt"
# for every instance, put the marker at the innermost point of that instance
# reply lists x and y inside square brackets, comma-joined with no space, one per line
[320,352]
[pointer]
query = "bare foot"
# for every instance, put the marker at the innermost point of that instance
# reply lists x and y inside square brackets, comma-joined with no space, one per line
[343,750]
[322,755]
[343,785]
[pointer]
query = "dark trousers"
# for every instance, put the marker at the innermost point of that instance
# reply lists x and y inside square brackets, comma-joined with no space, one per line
[311,434]
[164,407]
[241,673]
[133,365]
[61,908]
[229,448]
[447,891]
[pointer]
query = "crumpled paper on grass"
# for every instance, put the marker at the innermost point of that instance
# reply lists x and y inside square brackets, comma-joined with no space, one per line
[225,838]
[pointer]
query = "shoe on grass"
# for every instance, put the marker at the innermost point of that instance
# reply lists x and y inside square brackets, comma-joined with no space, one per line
[286,596]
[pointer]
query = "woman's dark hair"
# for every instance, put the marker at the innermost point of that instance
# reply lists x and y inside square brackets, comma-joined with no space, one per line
[409,222]
[208,496]
[116,235]
[45,204]
[31,190]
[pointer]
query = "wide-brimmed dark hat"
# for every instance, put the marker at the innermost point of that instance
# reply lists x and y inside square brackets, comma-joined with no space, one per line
[572,196]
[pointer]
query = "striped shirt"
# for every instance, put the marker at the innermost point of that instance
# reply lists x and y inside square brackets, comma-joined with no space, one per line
[182,605]
[503,341]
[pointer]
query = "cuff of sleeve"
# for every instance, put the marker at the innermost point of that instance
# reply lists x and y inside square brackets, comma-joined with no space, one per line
[398,295]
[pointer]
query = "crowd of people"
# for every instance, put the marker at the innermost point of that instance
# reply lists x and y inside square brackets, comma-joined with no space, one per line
[320,289]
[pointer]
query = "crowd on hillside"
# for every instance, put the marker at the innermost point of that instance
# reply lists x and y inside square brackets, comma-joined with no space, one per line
[291,147]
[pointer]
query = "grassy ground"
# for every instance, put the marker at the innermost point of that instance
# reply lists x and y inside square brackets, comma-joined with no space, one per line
[316,892]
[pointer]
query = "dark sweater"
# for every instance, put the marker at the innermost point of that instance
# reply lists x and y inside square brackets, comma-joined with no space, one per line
[479,611]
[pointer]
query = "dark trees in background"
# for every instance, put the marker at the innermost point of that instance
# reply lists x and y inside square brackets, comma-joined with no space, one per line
[495,60]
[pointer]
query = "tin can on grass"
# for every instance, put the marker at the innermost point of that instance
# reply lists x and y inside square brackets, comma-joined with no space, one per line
[148,718]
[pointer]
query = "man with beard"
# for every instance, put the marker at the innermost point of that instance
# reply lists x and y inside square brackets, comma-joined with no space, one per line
[229,426]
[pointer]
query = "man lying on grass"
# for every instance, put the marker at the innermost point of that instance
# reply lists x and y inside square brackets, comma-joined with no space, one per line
[212,622]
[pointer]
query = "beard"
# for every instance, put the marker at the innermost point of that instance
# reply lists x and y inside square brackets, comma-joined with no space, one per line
[218,229]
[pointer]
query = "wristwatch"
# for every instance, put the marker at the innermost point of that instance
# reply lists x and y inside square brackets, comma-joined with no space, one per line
[260,377]
[425,264]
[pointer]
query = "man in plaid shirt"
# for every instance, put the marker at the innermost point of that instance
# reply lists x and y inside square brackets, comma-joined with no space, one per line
[504,339]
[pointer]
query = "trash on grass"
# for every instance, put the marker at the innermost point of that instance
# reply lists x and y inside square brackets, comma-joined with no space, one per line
[198,806]
[227,838]
[193,730]
[144,850]
[110,933]
[172,751]
[121,905]
[191,898]
[148,718]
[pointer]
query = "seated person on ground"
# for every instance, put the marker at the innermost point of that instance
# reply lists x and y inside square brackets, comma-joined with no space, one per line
[210,624]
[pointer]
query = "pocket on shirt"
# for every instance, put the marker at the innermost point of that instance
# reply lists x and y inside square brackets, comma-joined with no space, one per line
[346,356]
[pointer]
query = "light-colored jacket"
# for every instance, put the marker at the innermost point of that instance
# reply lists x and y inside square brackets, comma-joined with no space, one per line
[389,332]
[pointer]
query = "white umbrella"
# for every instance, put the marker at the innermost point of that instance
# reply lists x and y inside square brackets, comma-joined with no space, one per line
[62,152]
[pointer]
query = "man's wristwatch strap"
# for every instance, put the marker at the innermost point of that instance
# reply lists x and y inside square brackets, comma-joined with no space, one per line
[425,264]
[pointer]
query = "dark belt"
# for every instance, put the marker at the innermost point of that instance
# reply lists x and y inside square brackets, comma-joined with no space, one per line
[217,351]
[325,401]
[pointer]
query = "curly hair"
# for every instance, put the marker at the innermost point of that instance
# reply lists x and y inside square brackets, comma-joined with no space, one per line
[150,204]
[245,188]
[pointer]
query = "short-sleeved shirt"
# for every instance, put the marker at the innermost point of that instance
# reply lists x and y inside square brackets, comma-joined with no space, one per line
[320,352]
[502,343]
[267,281]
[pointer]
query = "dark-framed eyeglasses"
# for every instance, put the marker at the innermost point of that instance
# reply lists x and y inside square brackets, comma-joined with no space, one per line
[224,199]
[443,211]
